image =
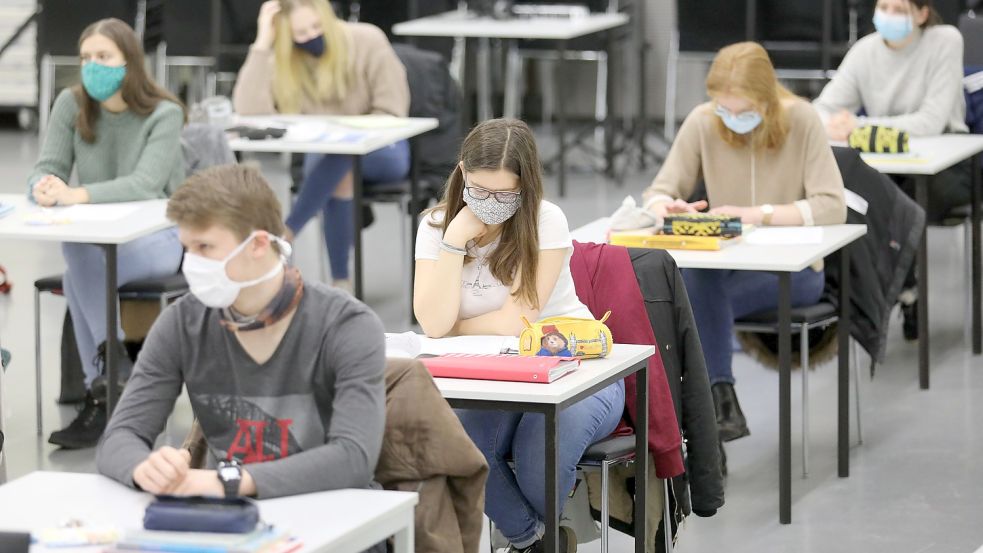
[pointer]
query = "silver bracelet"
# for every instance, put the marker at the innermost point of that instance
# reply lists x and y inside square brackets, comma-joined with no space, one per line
[452,249]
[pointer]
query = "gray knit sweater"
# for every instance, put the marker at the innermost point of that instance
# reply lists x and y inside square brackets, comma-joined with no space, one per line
[134,157]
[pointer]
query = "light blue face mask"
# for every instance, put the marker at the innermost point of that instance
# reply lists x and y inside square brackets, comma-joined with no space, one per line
[892,27]
[741,123]
[102,81]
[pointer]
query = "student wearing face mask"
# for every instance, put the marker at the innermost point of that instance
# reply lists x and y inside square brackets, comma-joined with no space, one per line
[494,251]
[764,157]
[907,75]
[285,376]
[306,61]
[121,133]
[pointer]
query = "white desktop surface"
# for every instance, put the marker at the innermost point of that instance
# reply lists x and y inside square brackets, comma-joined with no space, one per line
[339,521]
[456,24]
[374,138]
[589,373]
[147,219]
[928,155]
[742,256]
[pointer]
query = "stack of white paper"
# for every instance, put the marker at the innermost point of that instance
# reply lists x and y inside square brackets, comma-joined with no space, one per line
[410,344]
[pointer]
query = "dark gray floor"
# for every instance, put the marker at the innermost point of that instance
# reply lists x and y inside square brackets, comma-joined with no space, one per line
[915,482]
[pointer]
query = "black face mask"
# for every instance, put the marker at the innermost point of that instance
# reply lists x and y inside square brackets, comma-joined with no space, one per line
[314,46]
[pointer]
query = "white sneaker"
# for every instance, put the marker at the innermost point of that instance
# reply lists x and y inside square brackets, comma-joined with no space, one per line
[631,217]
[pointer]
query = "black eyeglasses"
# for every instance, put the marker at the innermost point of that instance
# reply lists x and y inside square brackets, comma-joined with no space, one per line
[479,193]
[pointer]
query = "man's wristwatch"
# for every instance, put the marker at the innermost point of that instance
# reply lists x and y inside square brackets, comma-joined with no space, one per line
[230,475]
[767,210]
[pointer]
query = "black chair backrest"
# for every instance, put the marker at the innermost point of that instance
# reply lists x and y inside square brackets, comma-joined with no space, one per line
[433,93]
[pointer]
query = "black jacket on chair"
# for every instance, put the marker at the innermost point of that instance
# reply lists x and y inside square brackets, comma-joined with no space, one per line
[880,260]
[669,312]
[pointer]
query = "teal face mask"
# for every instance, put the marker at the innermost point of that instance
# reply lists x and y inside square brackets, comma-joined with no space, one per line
[102,81]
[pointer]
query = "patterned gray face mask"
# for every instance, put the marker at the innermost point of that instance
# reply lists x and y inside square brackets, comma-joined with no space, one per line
[489,210]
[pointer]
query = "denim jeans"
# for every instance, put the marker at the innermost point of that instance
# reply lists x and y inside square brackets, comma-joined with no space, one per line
[516,500]
[156,255]
[721,297]
[322,174]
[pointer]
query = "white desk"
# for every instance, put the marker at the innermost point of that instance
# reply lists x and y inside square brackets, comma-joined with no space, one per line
[342,521]
[463,25]
[373,139]
[783,260]
[929,157]
[592,375]
[148,218]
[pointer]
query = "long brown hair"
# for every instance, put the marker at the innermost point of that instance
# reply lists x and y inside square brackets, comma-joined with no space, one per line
[933,15]
[139,90]
[494,145]
[744,69]
[327,77]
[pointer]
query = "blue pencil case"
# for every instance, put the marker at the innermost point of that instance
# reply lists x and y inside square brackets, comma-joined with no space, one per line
[201,514]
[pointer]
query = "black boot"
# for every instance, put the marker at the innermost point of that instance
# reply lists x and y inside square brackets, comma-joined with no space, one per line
[124,366]
[568,543]
[86,429]
[731,423]
[723,458]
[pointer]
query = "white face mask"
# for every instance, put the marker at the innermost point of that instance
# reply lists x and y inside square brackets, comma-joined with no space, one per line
[210,283]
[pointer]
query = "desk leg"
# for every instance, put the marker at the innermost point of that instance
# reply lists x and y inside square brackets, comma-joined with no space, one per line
[561,118]
[609,109]
[921,196]
[843,374]
[414,217]
[403,540]
[112,298]
[784,398]
[976,271]
[642,458]
[357,222]
[551,540]
[484,79]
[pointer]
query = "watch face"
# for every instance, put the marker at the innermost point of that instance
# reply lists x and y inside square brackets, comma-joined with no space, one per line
[229,473]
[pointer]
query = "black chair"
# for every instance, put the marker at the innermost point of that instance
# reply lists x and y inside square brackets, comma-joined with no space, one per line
[804,319]
[601,456]
[163,289]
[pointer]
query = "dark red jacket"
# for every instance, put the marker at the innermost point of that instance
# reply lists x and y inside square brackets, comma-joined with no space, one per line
[605,281]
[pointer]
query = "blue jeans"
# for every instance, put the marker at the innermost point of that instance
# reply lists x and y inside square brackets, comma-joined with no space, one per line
[156,255]
[322,174]
[516,500]
[721,297]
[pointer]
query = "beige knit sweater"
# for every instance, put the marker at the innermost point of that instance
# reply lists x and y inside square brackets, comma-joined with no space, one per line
[378,83]
[802,171]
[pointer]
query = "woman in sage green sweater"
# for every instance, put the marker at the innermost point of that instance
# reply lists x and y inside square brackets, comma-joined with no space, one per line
[122,135]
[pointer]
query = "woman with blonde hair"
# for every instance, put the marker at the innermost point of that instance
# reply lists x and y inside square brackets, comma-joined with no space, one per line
[306,61]
[764,157]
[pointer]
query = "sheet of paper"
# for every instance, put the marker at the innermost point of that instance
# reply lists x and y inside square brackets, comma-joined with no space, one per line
[410,344]
[379,121]
[82,213]
[785,236]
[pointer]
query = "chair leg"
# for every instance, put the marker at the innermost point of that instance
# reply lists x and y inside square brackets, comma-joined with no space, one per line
[672,70]
[547,86]
[804,357]
[37,357]
[605,507]
[45,93]
[856,384]
[322,255]
[491,536]
[666,515]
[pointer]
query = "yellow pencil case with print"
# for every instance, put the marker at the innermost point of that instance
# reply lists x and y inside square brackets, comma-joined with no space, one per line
[566,337]
[879,140]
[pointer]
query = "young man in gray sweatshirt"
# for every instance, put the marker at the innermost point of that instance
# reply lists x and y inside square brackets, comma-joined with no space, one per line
[285,376]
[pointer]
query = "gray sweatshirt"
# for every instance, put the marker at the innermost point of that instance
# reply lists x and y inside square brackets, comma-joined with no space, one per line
[309,419]
[918,89]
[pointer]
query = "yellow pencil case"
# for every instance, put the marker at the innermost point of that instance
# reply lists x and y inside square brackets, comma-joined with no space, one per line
[566,337]
[879,140]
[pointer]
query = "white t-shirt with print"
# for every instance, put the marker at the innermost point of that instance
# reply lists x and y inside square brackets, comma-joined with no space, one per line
[483,293]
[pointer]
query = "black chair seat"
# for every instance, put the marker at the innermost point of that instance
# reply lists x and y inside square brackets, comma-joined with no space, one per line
[808,314]
[170,284]
[614,447]
[395,188]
